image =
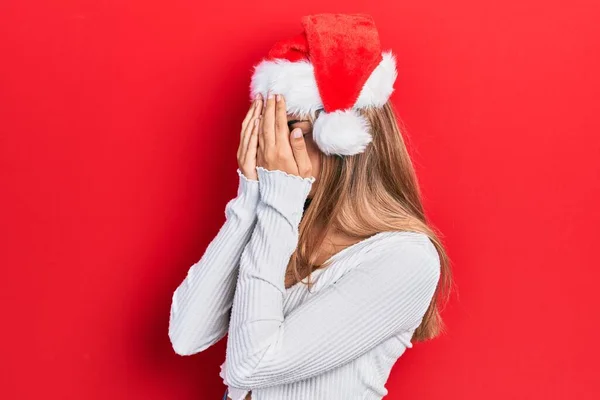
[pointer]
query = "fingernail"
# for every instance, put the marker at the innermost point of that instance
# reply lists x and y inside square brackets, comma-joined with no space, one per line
[277,98]
[297,133]
[270,96]
[259,96]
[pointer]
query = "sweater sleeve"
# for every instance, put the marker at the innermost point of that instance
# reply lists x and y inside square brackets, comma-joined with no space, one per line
[387,293]
[200,306]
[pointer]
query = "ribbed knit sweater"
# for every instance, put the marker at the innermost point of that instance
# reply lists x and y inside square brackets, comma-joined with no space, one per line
[338,341]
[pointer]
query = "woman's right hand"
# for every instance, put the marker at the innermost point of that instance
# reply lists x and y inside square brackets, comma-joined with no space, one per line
[247,149]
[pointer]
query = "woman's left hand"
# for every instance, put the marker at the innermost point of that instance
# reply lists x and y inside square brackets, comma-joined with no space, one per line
[277,148]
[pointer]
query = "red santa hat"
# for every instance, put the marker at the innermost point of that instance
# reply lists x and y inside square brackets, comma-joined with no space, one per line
[337,66]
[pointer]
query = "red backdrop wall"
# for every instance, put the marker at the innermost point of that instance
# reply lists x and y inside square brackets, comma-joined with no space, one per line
[118,131]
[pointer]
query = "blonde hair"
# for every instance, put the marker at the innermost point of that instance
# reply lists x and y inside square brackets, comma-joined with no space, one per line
[367,193]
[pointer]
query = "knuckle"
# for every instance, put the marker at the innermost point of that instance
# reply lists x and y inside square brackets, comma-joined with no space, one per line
[281,153]
[299,145]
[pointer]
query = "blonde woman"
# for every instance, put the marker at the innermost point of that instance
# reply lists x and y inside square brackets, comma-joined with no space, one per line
[328,195]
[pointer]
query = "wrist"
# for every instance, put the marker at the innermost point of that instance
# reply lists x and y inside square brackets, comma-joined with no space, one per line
[247,198]
[283,191]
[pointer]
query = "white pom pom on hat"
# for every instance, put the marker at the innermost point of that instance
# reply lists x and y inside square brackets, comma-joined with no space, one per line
[343,132]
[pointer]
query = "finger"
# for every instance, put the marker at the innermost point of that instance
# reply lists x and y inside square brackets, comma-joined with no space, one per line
[246,138]
[258,112]
[259,105]
[252,149]
[300,153]
[260,147]
[249,115]
[259,132]
[268,123]
[282,131]
[245,123]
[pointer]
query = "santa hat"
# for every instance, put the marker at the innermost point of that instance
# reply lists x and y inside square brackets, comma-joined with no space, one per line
[336,65]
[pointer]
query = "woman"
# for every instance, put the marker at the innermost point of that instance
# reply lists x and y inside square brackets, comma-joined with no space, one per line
[335,200]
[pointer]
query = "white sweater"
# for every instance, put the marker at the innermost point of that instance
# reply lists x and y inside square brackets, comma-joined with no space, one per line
[339,341]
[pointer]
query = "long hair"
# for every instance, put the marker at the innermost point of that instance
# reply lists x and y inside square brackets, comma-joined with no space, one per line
[367,193]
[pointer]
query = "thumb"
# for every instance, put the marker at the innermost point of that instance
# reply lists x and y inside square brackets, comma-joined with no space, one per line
[300,153]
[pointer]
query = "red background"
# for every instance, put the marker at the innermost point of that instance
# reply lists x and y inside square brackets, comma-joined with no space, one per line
[118,131]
